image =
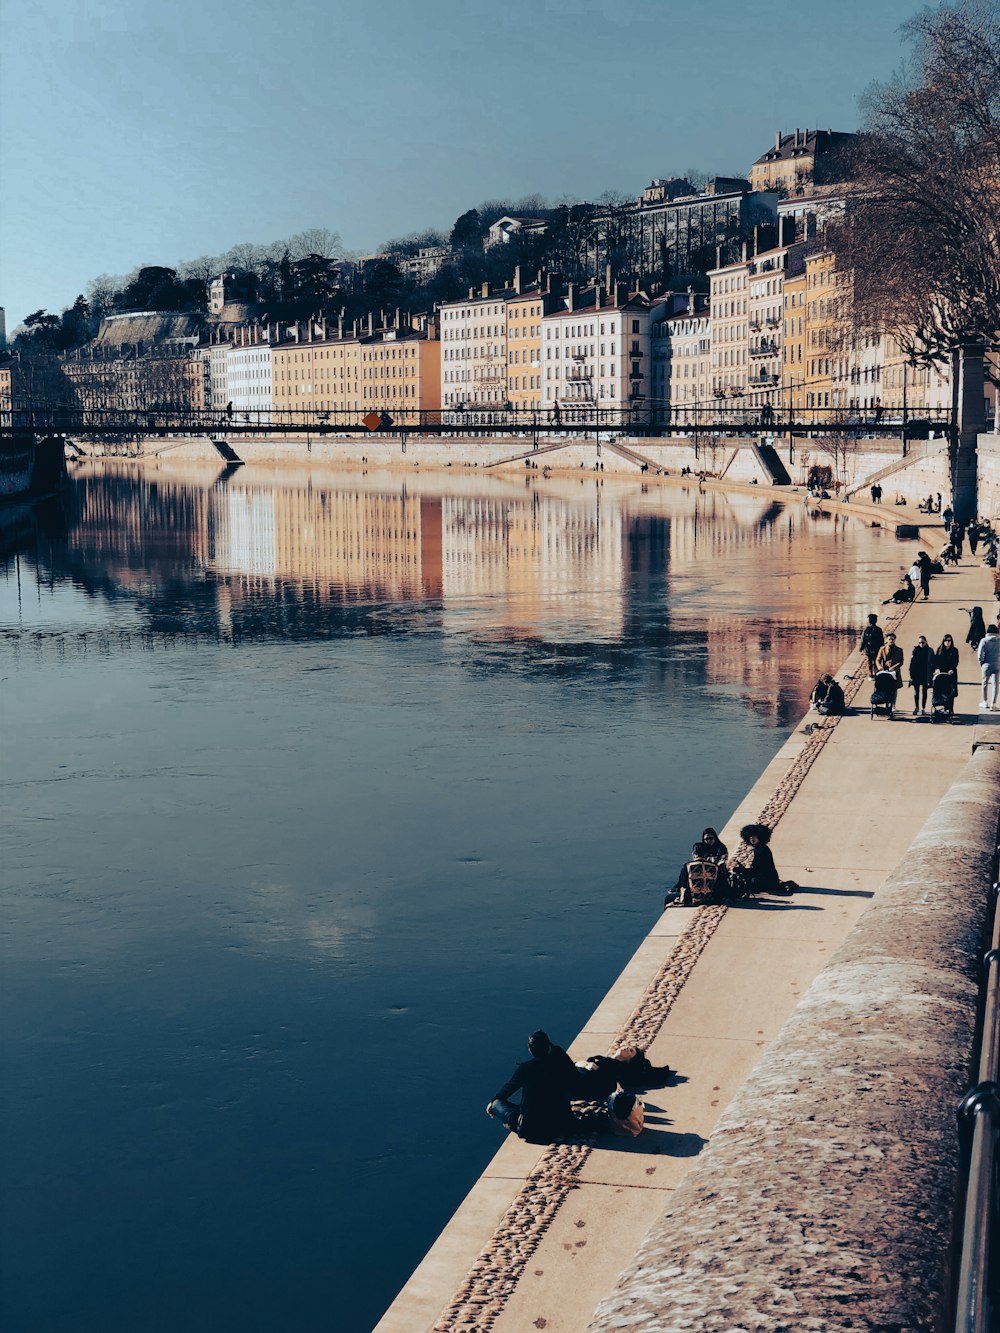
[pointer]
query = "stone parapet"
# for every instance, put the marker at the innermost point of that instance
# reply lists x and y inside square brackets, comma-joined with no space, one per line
[825,1198]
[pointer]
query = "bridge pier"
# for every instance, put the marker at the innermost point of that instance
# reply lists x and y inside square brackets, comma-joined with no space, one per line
[970,415]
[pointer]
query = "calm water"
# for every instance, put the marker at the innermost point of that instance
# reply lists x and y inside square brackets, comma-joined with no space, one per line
[319,794]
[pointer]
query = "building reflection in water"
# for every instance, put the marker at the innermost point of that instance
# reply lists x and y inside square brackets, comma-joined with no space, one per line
[669,588]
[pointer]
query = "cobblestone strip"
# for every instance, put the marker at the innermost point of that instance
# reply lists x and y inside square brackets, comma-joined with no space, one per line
[494,1276]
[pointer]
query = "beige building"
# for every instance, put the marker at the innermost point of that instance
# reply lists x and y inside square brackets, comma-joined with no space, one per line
[800,161]
[526,308]
[730,332]
[347,374]
[682,364]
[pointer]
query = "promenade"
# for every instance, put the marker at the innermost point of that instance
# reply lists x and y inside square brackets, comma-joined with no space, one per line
[543,1234]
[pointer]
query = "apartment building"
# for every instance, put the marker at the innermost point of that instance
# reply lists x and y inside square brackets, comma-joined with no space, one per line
[681,357]
[799,162]
[765,319]
[526,308]
[249,373]
[730,331]
[474,349]
[347,373]
[597,351]
[794,341]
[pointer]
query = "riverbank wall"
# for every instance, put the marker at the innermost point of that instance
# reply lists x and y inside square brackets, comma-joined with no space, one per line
[923,469]
[863,810]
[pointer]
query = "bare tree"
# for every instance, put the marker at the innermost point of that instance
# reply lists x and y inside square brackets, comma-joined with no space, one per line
[318,241]
[922,230]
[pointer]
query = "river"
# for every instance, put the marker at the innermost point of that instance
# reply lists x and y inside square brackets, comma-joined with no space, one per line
[320,791]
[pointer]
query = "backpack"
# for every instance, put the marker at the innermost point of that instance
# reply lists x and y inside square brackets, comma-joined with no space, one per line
[703,876]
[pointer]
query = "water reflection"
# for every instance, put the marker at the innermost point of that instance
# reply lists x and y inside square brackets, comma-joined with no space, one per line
[313,780]
[665,589]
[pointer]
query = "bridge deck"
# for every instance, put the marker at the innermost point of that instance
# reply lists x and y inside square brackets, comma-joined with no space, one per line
[548,1230]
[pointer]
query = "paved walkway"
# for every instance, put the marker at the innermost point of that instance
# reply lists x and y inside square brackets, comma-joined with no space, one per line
[543,1234]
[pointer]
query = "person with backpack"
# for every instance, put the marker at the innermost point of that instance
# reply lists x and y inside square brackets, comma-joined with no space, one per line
[871,641]
[701,880]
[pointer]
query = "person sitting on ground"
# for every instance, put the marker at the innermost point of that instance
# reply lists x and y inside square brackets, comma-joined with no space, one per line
[715,849]
[904,593]
[701,880]
[761,876]
[546,1083]
[921,674]
[871,641]
[833,702]
[819,692]
[890,658]
[626,1114]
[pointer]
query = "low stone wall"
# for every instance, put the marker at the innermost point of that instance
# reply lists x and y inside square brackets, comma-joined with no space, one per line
[825,1197]
[988,466]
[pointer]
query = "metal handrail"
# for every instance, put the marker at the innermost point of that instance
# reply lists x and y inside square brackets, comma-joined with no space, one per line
[979,1113]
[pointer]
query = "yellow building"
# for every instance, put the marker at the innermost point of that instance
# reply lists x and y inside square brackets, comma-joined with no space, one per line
[395,370]
[525,311]
[826,379]
[794,337]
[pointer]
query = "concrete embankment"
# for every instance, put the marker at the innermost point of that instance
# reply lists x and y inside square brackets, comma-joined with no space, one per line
[543,1235]
[825,1198]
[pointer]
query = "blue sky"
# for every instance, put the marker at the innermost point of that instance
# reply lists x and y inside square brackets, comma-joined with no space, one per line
[153,131]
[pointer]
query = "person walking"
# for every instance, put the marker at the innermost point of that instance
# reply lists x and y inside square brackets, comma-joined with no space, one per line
[988,657]
[890,658]
[924,561]
[871,641]
[977,627]
[921,674]
[973,535]
[958,538]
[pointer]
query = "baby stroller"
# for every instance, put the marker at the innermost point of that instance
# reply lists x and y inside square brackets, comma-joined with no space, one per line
[943,691]
[883,700]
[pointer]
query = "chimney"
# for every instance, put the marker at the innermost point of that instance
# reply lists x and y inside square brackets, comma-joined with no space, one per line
[396,323]
[744,252]
[620,293]
[598,296]
[777,142]
[718,256]
[569,296]
[756,241]
[608,277]
[486,289]
[371,324]
[690,300]
[472,293]
[517,278]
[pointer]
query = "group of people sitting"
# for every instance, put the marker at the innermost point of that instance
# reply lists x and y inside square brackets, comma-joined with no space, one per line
[550,1082]
[708,877]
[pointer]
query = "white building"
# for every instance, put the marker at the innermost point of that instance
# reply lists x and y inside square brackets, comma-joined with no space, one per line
[249,377]
[596,352]
[428,260]
[474,350]
[506,228]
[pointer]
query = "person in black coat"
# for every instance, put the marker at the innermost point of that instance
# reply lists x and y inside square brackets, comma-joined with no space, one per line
[977,628]
[921,674]
[546,1083]
[871,641]
[761,876]
[946,657]
[833,702]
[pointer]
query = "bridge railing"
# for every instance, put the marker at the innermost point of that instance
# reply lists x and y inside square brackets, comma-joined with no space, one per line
[977,1303]
[656,420]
